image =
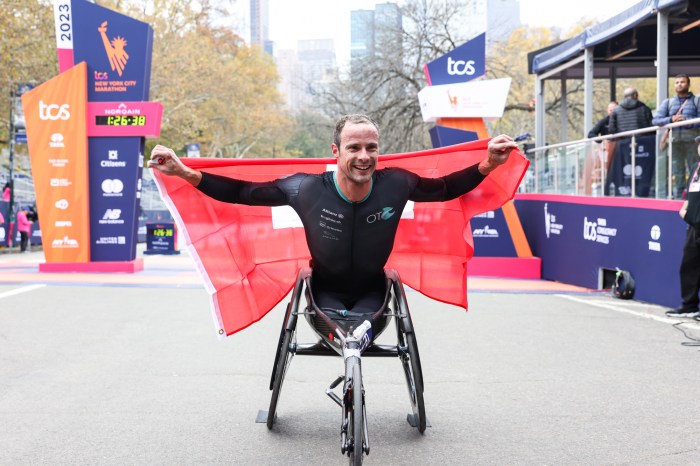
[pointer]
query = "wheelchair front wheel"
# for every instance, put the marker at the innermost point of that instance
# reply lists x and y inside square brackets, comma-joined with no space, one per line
[357,422]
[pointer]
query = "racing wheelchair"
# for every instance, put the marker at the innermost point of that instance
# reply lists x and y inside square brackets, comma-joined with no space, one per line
[352,344]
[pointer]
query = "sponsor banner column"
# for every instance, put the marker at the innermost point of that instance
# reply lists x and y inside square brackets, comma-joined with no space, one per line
[57,139]
[115,192]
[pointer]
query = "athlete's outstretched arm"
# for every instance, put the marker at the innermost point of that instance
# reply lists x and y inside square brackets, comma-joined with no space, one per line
[218,187]
[462,181]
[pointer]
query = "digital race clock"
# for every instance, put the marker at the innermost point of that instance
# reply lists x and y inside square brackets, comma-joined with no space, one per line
[124,119]
[120,120]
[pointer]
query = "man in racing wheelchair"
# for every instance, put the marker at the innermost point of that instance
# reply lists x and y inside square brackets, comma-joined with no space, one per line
[350,215]
[350,218]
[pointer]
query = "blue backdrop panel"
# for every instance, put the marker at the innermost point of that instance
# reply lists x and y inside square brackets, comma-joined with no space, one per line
[441,136]
[575,239]
[491,235]
[115,192]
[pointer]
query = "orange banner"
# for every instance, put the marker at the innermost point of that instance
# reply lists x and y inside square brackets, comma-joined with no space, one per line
[57,137]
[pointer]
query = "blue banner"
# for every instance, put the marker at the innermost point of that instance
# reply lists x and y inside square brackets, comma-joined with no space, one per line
[575,239]
[117,50]
[462,64]
[116,166]
[619,179]
[441,136]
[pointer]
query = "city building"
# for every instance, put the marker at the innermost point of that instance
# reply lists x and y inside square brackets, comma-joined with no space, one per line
[260,24]
[375,31]
[497,18]
[305,72]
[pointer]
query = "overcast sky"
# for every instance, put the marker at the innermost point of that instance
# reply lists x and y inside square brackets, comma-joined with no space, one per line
[291,21]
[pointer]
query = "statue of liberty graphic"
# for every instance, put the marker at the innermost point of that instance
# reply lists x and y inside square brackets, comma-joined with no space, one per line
[115,50]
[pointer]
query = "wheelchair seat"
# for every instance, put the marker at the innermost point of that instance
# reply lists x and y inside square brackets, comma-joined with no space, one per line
[324,322]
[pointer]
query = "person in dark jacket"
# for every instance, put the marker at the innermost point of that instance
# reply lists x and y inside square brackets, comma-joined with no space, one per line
[603,126]
[631,114]
[690,263]
[683,106]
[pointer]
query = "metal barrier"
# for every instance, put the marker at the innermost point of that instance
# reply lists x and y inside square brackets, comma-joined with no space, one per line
[583,167]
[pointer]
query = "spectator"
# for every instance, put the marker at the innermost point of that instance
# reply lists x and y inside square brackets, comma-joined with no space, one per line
[684,106]
[690,263]
[6,192]
[631,114]
[603,126]
[24,226]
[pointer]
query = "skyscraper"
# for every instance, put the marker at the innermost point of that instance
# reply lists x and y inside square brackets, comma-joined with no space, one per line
[374,32]
[495,17]
[260,23]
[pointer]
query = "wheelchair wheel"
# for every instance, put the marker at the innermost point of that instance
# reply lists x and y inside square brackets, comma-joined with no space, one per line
[357,422]
[410,360]
[282,360]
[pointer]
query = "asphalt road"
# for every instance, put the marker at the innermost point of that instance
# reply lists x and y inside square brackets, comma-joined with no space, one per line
[113,375]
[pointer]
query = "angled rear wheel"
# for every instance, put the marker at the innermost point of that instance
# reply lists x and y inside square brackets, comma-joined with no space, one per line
[410,360]
[279,370]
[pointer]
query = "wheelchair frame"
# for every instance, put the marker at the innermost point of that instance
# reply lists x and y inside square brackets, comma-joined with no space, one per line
[353,420]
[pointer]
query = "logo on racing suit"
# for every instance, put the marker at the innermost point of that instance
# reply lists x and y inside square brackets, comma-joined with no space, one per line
[385,214]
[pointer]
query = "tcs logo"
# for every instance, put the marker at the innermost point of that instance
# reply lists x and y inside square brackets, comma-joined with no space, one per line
[589,229]
[460,67]
[53,111]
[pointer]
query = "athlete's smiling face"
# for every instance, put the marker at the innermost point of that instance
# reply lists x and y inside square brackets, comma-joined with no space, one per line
[357,154]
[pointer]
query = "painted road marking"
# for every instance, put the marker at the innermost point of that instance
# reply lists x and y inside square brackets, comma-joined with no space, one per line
[24,289]
[618,308]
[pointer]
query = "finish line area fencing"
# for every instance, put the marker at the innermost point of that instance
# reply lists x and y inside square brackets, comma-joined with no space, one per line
[593,206]
[603,166]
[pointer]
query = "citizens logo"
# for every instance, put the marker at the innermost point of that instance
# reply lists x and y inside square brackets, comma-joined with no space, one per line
[112,160]
[112,217]
[53,111]
[112,188]
[56,141]
[655,233]
[385,214]
[61,204]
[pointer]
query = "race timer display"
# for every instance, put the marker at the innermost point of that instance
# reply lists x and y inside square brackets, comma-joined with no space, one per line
[120,120]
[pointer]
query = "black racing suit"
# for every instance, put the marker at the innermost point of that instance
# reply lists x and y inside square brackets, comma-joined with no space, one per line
[350,242]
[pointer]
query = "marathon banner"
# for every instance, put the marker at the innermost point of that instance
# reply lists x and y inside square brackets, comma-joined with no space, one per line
[116,166]
[117,49]
[57,138]
[619,179]
[476,99]
[462,64]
